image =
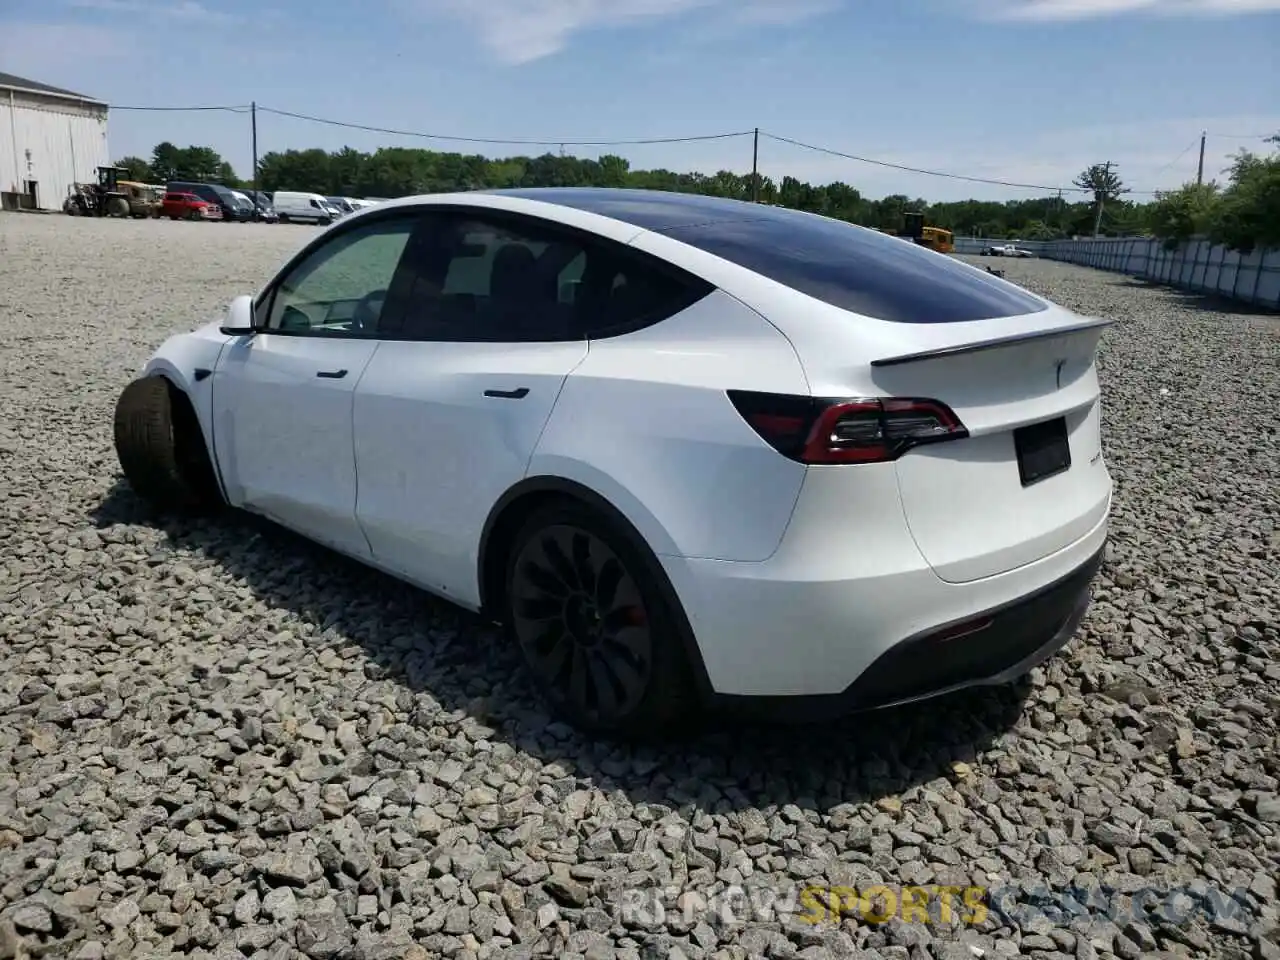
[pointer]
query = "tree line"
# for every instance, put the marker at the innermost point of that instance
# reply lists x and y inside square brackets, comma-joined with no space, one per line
[1244,212]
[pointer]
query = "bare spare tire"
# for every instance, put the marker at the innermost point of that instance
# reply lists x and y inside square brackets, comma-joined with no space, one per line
[161,448]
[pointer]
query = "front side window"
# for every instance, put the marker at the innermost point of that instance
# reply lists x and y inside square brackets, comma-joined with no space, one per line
[340,288]
[509,279]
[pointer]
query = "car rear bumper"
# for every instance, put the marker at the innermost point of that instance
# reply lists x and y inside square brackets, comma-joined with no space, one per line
[1012,640]
[795,638]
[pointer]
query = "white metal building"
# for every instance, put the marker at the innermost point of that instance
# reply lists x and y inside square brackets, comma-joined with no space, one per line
[49,139]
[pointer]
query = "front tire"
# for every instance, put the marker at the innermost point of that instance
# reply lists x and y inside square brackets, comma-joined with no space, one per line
[161,448]
[601,639]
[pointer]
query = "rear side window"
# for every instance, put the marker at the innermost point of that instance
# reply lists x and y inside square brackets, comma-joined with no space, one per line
[858,269]
[499,278]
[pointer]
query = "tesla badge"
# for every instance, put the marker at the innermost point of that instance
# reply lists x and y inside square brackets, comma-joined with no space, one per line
[1058,372]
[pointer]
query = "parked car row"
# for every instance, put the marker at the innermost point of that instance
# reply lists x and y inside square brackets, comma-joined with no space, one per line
[212,201]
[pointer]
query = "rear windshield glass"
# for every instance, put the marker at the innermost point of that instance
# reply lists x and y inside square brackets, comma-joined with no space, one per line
[857,269]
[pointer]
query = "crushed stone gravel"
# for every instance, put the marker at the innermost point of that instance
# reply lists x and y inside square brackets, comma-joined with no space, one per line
[218,741]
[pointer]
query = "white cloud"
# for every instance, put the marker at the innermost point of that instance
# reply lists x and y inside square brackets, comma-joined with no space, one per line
[184,11]
[521,31]
[1061,10]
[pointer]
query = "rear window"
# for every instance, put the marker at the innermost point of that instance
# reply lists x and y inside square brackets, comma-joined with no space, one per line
[858,269]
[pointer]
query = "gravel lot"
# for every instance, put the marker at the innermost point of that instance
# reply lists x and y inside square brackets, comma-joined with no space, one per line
[219,741]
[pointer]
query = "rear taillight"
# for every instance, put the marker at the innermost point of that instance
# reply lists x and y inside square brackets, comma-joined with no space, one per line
[875,430]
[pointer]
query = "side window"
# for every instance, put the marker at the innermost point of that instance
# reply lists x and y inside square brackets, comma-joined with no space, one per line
[509,279]
[340,288]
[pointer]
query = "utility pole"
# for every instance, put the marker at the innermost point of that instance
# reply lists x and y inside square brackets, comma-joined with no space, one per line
[755,174]
[1097,223]
[1200,169]
[253,120]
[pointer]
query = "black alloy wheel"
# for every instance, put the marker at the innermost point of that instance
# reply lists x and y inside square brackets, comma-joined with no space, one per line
[582,623]
[599,626]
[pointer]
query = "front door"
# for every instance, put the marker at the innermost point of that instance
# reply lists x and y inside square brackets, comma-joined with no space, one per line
[283,397]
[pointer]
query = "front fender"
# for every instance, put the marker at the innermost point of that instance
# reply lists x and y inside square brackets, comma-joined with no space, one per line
[189,361]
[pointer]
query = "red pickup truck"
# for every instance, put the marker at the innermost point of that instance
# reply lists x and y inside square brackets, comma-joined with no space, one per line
[187,206]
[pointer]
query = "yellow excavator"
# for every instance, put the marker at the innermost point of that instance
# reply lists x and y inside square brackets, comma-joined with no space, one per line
[913,229]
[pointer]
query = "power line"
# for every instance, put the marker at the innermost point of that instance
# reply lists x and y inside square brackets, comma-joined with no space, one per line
[929,173]
[243,109]
[934,173]
[554,142]
[499,140]
[1189,147]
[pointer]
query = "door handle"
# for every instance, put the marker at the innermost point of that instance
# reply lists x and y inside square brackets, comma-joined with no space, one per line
[519,393]
[331,374]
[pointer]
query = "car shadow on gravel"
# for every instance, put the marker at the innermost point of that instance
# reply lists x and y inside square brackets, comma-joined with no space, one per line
[1202,300]
[447,656]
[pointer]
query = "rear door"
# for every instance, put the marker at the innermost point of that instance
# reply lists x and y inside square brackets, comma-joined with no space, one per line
[447,420]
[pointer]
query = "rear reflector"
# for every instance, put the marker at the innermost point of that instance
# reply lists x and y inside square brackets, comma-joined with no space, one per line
[875,430]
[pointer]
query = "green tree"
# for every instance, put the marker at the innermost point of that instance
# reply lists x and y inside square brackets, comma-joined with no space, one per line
[1245,215]
[1178,215]
[1245,212]
[135,168]
[1105,185]
[1249,216]
[165,160]
[226,175]
[200,164]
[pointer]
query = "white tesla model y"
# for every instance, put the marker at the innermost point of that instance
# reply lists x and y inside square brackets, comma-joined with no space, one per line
[690,451]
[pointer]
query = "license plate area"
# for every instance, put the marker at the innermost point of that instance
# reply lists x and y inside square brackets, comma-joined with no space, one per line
[1043,450]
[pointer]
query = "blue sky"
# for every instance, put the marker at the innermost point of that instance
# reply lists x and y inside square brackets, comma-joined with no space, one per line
[1025,90]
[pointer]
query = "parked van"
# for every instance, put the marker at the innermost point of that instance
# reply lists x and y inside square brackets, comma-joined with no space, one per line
[341,204]
[215,193]
[302,207]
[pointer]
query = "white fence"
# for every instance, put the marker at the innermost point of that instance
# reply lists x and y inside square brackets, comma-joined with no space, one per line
[1196,265]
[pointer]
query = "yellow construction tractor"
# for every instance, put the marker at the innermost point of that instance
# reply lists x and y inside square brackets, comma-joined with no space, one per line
[913,229]
[101,199]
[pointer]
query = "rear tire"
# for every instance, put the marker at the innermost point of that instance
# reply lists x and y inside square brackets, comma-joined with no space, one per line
[161,448]
[604,645]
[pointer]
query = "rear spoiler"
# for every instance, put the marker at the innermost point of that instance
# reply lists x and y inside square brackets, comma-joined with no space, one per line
[992,344]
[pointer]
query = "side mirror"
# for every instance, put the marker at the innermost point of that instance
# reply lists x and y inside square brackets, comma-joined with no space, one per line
[239,322]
